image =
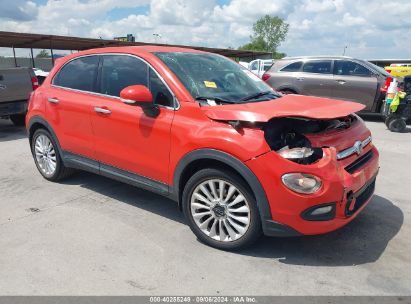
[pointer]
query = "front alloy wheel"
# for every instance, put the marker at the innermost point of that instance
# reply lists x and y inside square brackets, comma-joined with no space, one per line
[221,209]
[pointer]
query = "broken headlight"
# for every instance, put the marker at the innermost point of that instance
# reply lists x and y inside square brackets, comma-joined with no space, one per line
[295,153]
[301,155]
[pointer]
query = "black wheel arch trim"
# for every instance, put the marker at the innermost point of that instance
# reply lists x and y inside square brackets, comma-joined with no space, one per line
[42,121]
[287,88]
[233,162]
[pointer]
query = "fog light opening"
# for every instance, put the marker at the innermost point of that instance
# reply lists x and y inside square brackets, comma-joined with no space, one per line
[324,212]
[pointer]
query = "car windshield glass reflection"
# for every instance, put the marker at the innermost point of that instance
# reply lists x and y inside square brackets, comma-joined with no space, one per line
[214,77]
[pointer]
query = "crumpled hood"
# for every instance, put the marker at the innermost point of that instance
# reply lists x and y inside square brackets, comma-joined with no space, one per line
[286,106]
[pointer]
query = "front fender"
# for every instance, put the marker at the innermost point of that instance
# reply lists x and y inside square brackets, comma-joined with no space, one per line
[231,161]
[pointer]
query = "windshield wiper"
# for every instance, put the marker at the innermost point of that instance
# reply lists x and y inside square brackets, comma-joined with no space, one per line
[216,99]
[257,95]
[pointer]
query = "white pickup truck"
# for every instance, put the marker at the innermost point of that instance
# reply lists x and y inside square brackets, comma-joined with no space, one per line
[258,66]
[16,84]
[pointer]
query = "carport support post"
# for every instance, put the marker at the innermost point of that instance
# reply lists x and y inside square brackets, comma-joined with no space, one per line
[52,57]
[32,57]
[14,55]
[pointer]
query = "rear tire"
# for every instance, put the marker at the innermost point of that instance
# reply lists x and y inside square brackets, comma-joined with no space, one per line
[18,120]
[221,209]
[47,157]
[397,124]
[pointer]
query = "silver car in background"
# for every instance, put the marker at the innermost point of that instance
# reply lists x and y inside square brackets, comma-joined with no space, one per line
[335,77]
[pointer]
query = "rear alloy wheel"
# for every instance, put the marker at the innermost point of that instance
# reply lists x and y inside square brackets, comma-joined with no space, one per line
[221,210]
[47,157]
[45,153]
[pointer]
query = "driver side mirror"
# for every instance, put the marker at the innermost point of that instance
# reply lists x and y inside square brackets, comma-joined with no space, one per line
[141,96]
[136,94]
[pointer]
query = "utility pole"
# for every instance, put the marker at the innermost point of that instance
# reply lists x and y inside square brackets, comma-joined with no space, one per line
[157,36]
[345,47]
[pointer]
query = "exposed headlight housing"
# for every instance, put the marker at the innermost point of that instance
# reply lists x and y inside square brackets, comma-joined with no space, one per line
[301,155]
[301,182]
[295,153]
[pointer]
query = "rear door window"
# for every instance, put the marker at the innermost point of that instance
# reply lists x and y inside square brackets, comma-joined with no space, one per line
[350,68]
[318,67]
[79,74]
[120,71]
[293,67]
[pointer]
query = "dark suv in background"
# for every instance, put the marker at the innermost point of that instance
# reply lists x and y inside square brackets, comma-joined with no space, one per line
[335,77]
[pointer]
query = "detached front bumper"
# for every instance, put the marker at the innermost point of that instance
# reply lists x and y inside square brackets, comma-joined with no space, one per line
[347,186]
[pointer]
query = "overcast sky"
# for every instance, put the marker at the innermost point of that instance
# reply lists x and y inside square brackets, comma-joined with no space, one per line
[369,29]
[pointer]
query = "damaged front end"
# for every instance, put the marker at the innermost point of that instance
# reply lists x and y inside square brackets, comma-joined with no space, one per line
[290,136]
[296,127]
[306,132]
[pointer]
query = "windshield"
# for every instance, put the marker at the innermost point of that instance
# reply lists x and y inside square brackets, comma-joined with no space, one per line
[214,77]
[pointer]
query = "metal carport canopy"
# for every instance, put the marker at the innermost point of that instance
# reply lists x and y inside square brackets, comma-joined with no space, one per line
[40,41]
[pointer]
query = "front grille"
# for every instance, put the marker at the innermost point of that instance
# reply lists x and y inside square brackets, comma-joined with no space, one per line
[359,162]
[361,197]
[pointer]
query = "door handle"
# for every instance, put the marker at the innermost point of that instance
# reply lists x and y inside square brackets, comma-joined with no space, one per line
[341,81]
[102,111]
[300,78]
[53,100]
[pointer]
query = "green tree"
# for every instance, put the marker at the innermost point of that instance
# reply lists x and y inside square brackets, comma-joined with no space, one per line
[43,54]
[268,33]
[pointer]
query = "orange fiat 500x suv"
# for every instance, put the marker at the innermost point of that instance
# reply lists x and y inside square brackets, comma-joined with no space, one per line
[240,159]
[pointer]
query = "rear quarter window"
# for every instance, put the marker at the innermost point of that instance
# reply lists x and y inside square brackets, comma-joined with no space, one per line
[293,67]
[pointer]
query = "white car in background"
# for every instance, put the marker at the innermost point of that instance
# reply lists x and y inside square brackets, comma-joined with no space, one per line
[40,74]
[259,66]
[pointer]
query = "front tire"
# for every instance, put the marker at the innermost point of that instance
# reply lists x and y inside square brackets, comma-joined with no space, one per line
[47,157]
[221,209]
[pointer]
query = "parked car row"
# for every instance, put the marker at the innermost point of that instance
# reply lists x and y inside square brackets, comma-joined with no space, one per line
[335,77]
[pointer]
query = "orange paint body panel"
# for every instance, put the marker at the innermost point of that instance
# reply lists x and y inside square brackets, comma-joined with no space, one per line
[128,139]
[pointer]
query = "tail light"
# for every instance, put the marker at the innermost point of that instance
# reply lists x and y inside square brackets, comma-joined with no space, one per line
[388,71]
[34,82]
[387,84]
[265,77]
